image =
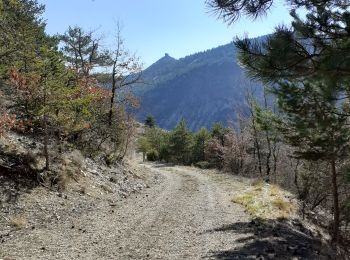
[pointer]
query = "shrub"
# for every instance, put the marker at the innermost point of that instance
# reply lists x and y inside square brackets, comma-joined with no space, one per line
[152,155]
[203,165]
[110,159]
[214,153]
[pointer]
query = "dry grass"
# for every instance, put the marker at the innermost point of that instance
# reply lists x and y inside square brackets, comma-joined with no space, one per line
[257,182]
[282,204]
[70,169]
[266,201]
[18,221]
[64,179]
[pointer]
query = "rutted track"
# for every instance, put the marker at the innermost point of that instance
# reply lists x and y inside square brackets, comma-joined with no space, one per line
[185,214]
[174,219]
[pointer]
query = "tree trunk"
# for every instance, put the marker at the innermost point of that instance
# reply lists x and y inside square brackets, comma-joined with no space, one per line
[114,86]
[256,141]
[335,203]
[46,135]
[274,171]
[46,141]
[58,135]
[268,168]
[268,141]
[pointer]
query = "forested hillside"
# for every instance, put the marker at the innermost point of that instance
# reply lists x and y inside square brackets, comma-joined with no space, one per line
[54,112]
[202,88]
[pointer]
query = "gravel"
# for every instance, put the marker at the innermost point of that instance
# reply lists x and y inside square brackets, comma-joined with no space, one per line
[174,213]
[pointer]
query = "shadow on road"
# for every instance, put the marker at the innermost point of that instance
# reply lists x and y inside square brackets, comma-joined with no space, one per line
[273,239]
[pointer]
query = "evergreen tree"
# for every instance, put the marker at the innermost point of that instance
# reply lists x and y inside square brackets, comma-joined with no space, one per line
[150,121]
[315,122]
[200,141]
[181,143]
[154,136]
[45,94]
[156,141]
[219,131]
[22,33]
[315,49]
[82,50]
[144,146]
[164,151]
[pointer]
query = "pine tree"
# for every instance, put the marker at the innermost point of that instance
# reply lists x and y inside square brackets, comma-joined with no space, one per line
[200,140]
[219,131]
[22,32]
[309,65]
[144,146]
[47,96]
[314,121]
[181,143]
[150,121]
[316,46]
[82,50]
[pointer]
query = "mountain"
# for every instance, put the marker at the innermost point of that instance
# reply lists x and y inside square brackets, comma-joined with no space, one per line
[203,88]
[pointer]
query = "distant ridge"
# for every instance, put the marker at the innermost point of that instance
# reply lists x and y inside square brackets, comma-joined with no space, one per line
[203,88]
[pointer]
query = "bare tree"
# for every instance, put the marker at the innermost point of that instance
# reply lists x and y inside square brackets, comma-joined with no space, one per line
[126,70]
[257,146]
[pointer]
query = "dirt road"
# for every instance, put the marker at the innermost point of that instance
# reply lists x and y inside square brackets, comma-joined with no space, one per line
[174,219]
[187,215]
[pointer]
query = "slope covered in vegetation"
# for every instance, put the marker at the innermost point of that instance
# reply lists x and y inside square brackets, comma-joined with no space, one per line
[209,81]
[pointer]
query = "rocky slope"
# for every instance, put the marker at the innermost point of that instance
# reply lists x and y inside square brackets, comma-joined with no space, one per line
[31,203]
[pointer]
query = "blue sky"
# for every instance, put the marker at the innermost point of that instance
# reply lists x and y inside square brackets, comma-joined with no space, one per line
[154,27]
